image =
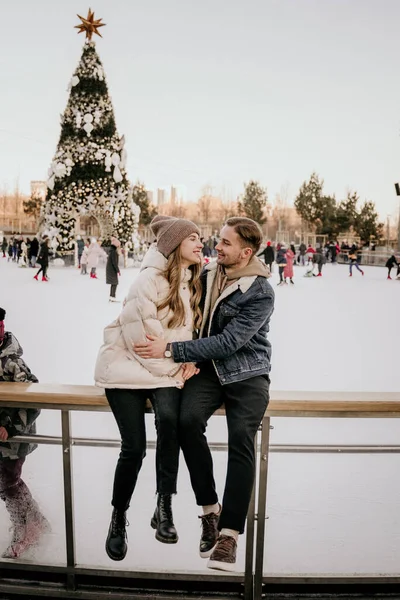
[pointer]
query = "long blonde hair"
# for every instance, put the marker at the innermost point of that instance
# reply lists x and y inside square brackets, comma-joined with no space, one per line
[173,274]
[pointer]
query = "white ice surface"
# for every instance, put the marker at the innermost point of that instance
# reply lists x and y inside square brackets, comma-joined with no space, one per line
[327,513]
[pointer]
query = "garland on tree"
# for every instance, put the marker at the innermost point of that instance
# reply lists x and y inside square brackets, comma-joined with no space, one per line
[87,175]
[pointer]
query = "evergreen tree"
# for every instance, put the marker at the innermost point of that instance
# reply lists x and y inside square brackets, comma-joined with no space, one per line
[140,198]
[308,199]
[32,207]
[367,222]
[87,175]
[346,213]
[253,202]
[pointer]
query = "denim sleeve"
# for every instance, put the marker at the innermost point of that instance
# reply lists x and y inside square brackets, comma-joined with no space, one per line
[236,334]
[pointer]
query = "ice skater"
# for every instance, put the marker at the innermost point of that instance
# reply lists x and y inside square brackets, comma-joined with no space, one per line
[390,264]
[112,268]
[281,262]
[84,259]
[288,269]
[28,523]
[353,257]
[94,253]
[268,254]
[43,259]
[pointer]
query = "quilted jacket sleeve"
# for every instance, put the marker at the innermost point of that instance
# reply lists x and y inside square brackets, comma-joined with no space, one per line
[139,318]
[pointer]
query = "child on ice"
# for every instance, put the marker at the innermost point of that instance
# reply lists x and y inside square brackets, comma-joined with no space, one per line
[27,521]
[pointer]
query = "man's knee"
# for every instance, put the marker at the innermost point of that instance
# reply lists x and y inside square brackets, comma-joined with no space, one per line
[191,423]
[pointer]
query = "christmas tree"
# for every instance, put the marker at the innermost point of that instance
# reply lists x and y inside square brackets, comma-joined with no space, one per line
[87,176]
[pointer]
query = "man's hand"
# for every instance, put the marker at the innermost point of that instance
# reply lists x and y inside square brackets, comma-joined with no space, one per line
[154,348]
[3,434]
[188,370]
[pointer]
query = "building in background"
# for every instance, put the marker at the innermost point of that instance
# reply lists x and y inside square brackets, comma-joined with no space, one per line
[161,196]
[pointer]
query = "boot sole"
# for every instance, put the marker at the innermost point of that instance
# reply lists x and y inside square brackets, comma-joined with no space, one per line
[161,539]
[221,566]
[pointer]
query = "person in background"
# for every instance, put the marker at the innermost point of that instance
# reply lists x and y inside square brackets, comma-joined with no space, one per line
[4,246]
[391,261]
[112,268]
[43,259]
[84,259]
[268,254]
[293,249]
[302,254]
[10,250]
[353,257]
[281,261]
[319,259]
[34,252]
[94,253]
[28,523]
[310,253]
[80,244]
[288,269]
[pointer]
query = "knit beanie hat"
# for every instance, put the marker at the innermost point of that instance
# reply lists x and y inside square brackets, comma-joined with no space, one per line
[2,315]
[170,232]
[115,242]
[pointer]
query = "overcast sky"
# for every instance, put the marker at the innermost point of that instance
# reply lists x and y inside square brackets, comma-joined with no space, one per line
[216,92]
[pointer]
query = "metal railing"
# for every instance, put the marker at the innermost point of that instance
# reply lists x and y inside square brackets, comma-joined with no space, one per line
[73,579]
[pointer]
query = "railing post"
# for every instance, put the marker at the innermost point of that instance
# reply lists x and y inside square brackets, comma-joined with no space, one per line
[68,496]
[250,526]
[261,508]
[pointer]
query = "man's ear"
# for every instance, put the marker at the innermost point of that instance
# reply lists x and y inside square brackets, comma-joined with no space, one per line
[247,252]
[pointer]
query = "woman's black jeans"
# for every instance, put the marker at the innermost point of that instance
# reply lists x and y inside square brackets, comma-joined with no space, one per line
[128,407]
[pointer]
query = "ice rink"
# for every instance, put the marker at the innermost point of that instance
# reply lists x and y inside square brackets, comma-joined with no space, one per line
[327,513]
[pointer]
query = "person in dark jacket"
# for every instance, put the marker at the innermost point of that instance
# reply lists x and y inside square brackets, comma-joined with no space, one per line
[4,246]
[354,257]
[390,264]
[234,355]
[43,259]
[81,246]
[281,262]
[112,268]
[34,250]
[28,523]
[268,254]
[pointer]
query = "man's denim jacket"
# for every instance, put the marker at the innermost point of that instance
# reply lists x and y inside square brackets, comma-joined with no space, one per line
[237,329]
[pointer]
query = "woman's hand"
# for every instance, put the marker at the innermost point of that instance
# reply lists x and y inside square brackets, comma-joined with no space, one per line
[3,434]
[188,370]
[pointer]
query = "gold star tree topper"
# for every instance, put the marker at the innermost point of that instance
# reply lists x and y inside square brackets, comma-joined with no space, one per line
[90,25]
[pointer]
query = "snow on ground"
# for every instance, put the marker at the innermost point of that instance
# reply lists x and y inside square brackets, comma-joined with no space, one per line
[327,513]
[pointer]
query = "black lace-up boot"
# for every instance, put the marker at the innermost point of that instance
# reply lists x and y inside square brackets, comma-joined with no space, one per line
[163,521]
[116,546]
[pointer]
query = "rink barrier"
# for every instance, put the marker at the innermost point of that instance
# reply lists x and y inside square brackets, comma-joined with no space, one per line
[74,580]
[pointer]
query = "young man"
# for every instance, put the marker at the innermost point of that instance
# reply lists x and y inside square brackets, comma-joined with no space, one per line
[234,359]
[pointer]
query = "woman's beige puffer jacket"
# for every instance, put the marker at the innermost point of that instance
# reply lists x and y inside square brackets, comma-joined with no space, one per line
[117,365]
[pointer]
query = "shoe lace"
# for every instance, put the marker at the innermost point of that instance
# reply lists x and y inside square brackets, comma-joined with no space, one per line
[166,507]
[226,546]
[119,523]
[208,524]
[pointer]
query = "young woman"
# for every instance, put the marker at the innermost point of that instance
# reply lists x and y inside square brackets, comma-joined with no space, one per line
[353,256]
[281,262]
[391,261]
[288,269]
[162,301]
[43,259]
[112,268]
